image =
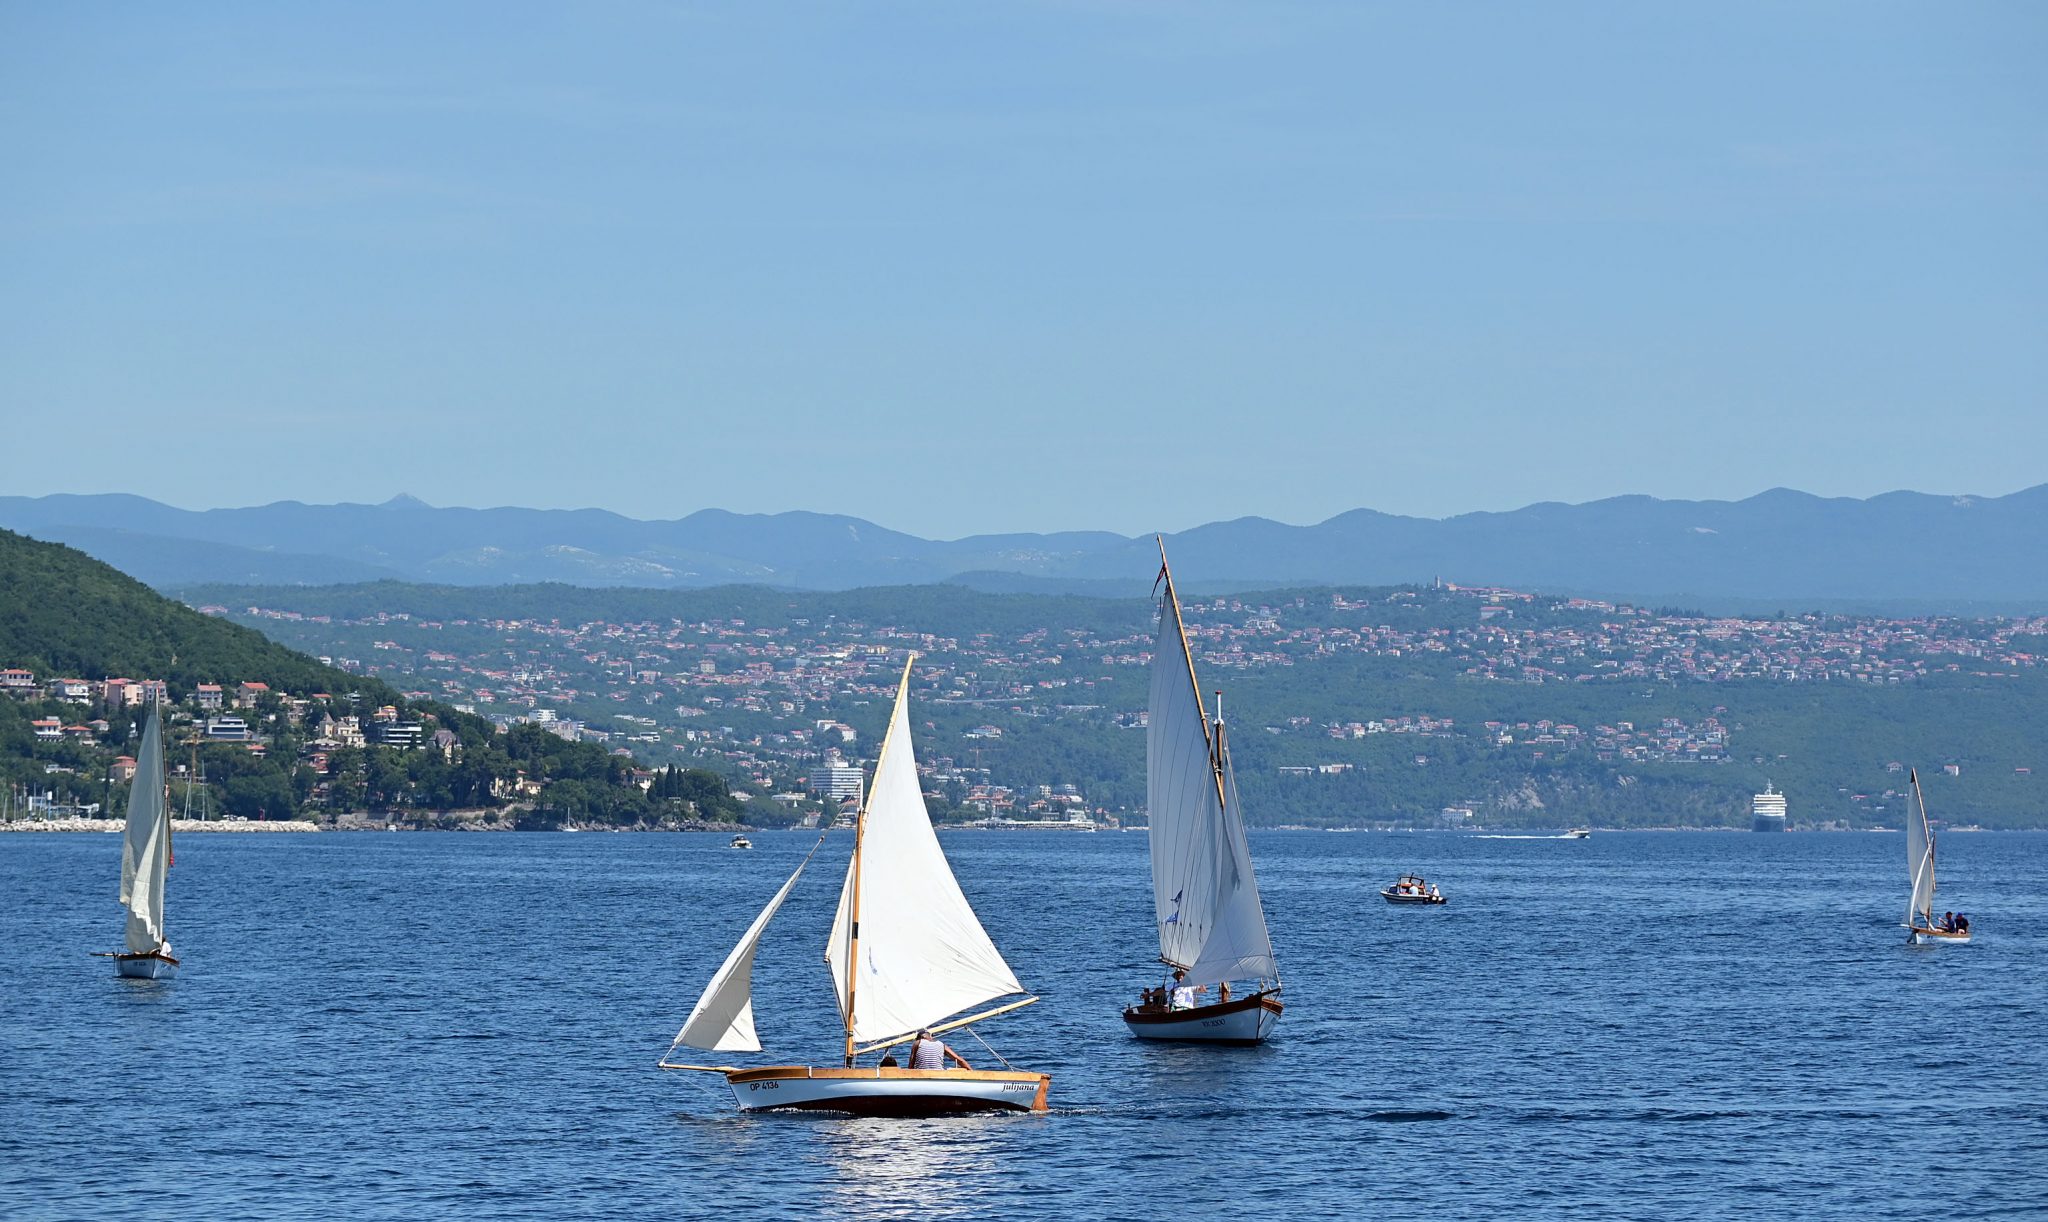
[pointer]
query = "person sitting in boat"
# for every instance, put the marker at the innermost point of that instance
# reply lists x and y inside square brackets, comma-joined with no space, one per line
[927,1051]
[1962,923]
[1948,922]
[1434,893]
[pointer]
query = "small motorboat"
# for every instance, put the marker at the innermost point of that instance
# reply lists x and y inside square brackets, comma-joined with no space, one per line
[740,842]
[1578,833]
[1412,889]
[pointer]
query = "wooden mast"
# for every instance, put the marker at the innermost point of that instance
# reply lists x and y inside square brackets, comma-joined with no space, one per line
[1180,629]
[860,829]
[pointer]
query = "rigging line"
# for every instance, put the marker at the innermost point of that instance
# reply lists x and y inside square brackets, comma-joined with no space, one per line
[985,1044]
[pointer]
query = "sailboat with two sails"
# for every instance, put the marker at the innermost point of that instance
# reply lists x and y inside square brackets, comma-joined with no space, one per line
[145,863]
[1921,927]
[906,954]
[1212,927]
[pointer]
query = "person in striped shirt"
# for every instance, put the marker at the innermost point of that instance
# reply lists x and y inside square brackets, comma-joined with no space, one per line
[927,1051]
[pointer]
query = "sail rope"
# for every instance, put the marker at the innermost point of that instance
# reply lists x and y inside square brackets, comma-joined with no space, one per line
[991,1049]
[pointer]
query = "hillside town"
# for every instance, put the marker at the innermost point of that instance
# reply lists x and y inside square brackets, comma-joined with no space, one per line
[776,705]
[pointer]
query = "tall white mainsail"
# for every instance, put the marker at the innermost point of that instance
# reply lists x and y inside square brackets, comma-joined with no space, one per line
[146,847]
[1204,894]
[1919,858]
[723,1020]
[923,954]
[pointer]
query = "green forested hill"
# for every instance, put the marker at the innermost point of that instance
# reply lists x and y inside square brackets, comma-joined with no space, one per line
[64,614]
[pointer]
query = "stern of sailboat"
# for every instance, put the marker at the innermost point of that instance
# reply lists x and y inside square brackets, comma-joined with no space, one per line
[149,965]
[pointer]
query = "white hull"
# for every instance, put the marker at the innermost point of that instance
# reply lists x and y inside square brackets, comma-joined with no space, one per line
[887,1092]
[1934,937]
[1246,1021]
[145,967]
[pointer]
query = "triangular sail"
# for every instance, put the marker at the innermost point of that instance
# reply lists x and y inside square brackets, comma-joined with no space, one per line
[723,1020]
[923,954]
[146,846]
[1919,858]
[1239,948]
[1205,897]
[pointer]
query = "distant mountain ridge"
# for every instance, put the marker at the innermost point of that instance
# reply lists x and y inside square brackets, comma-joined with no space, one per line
[1792,547]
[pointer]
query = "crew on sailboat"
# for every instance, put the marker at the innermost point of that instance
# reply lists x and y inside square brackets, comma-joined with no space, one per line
[928,1051]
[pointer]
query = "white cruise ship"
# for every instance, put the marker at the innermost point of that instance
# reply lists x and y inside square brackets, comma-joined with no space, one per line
[1767,811]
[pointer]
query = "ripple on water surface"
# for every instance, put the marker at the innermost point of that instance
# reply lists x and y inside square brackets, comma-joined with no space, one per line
[1632,1025]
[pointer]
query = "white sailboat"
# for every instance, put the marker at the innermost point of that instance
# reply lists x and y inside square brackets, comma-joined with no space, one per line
[1921,927]
[145,860]
[1212,928]
[906,954]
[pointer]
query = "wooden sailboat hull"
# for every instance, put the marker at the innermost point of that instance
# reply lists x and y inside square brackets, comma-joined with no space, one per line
[150,965]
[1243,1022]
[1922,936]
[887,1091]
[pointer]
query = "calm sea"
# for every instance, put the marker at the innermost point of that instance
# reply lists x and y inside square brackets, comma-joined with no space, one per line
[1637,1025]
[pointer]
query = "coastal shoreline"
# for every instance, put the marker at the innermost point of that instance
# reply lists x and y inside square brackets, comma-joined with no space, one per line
[177,825]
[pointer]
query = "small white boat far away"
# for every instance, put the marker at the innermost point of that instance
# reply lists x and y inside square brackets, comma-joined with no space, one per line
[1921,927]
[145,862]
[1412,889]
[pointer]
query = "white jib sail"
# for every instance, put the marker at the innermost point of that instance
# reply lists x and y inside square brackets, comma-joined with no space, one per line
[723,1020]
[1919,859]
[1239,948]
[146,846]
[1202,885]
[923,954]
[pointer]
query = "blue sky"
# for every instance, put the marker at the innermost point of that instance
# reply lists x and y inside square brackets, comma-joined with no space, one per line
[973,267]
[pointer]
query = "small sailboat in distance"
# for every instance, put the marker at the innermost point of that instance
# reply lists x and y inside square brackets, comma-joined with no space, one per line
[1921,927]
[906,952]
[145,860]
[1212,927]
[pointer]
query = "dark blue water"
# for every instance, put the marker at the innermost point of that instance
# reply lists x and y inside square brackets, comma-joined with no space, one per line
[410,1025]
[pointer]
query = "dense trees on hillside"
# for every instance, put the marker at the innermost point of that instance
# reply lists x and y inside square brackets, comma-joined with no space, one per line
[65,614]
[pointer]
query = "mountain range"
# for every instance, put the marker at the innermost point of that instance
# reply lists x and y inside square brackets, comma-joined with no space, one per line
[1779,548]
